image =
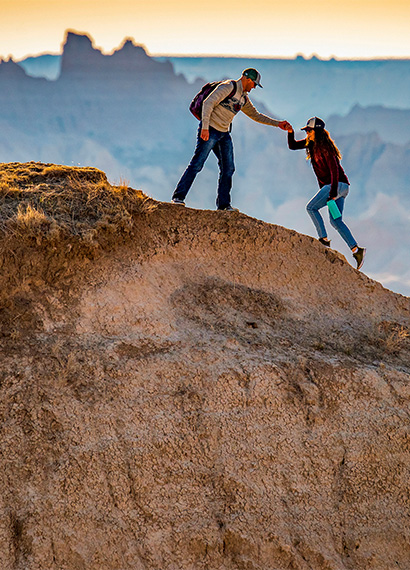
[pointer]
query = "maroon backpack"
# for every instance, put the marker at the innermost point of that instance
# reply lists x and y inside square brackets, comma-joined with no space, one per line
[197,102]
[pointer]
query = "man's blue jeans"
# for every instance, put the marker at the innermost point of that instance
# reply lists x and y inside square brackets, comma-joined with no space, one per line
[319,201]
[221,144]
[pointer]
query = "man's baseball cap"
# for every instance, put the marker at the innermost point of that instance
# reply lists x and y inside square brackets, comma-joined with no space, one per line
[252,74]
[314,123]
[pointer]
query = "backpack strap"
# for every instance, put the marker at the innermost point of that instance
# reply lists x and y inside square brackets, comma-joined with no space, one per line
[232,93]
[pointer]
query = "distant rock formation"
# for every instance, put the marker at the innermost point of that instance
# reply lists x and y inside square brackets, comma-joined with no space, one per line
[11,72]
[392,125]
[115,110]
[47,66]
[81,59]
[191,389]
[79,56]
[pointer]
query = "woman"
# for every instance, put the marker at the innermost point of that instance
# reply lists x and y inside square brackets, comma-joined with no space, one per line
[333,183]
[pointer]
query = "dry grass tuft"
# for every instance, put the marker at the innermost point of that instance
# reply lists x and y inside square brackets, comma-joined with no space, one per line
[27,216]
[47,202]
[393,336]
[53,220]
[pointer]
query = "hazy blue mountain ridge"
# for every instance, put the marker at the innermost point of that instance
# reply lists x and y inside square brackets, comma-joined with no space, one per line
[47,65]
[128,109]
[392,125]
[298,87]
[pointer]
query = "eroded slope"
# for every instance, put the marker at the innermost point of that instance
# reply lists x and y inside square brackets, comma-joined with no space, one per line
[193,389]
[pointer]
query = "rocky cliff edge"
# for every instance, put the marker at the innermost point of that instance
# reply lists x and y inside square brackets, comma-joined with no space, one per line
[185,389]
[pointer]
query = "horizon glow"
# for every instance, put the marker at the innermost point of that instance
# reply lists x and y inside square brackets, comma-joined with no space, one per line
[356,29]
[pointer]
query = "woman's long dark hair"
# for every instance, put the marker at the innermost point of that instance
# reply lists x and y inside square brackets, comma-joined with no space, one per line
[324,144]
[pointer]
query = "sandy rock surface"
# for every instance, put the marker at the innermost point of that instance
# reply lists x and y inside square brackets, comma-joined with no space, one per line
[208,392]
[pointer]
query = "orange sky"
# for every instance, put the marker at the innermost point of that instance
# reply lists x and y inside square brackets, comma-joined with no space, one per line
[345,29]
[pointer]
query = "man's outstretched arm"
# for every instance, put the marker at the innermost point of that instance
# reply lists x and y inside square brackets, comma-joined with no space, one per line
[251,112]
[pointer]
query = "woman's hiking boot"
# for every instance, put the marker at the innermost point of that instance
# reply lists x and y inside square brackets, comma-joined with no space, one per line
[359,256]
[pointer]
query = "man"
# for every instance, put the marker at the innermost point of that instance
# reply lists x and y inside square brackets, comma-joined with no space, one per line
[218,111]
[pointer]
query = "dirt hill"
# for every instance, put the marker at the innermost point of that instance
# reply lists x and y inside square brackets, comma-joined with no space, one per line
[186,390]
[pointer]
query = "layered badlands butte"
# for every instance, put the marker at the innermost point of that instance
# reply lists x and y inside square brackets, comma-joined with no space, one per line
[187,390]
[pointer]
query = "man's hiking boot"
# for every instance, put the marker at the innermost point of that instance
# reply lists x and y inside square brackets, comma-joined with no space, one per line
[228,209]
[359,256]
[178,201]
[325,242]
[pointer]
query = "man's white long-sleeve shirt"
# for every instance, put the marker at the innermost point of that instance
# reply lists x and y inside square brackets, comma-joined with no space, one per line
[220,116]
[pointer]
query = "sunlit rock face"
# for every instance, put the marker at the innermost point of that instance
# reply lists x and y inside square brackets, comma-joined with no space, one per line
[191,389]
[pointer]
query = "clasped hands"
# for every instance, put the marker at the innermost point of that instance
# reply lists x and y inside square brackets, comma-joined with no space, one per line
[285,126]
